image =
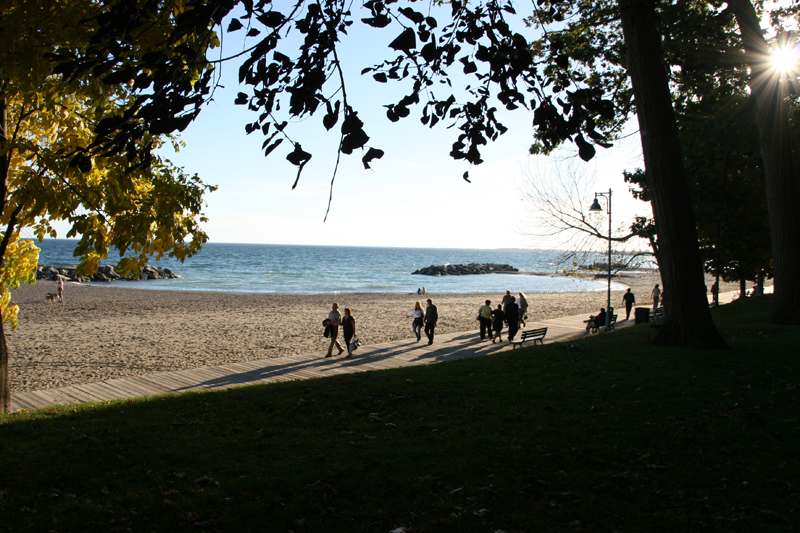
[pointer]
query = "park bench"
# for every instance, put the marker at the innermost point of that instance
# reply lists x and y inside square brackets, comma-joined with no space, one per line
[657,314]
[530,335]
[594,325]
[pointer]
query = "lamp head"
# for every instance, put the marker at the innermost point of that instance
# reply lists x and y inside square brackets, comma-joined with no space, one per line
[595,206]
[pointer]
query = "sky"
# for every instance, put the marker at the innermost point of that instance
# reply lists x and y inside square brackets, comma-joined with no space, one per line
[413,197]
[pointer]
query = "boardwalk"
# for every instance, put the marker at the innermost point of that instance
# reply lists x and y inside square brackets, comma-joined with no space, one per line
[395,354]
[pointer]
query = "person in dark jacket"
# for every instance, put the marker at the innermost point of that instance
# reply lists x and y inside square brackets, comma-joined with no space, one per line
[497,322]
[512,318]
[349,329]
[628,299]
[431,318]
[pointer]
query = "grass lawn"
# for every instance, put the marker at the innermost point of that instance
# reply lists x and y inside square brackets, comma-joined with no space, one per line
[608,433]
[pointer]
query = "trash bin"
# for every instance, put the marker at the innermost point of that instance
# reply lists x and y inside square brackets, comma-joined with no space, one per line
[641,315]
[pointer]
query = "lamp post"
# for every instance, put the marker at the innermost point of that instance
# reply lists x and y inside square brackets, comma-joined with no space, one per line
[597,208]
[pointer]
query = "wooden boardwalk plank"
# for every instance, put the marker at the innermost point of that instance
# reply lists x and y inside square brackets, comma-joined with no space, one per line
[214,378]
[109,392]
[179,379]
[92,392]
[150,386]
[25,401]
[127,385]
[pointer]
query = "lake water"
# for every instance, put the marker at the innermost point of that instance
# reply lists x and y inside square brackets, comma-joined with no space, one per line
[300,269]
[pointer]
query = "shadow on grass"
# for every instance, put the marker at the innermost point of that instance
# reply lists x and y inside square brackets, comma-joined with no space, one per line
[607,433]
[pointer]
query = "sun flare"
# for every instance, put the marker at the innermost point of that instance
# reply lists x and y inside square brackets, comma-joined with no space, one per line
[785,58]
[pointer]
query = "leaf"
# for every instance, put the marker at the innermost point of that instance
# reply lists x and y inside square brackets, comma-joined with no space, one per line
[271,19]
[585,150]
[406,41]
[354,140]
[272,146]
[121,76]
[469,66]
[429,52]
[351,123]
[332,117]
[372,153]
[241,99]
[412,15]
[466,177]
[300,158]
[380,77]
[379,21]
[235,25]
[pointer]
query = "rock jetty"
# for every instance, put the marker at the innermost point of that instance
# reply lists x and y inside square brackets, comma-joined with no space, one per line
[464,270]
[104,273]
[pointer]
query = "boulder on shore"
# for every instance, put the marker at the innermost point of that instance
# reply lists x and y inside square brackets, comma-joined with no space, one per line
[104,273]
[465,270]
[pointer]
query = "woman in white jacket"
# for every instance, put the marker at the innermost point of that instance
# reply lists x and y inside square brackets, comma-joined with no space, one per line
[419,316]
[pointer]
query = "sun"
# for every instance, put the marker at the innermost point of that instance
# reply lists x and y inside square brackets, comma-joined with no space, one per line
[785,59]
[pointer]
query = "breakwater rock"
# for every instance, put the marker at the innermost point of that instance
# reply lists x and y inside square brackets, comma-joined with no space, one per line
[465,270]
[104,273]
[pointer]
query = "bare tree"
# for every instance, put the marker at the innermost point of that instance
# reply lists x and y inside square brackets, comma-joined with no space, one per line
[557,200]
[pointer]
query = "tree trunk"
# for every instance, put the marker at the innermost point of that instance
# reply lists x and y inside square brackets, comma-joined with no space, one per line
[783,187]
[742,283]
[687,320]
[5,386]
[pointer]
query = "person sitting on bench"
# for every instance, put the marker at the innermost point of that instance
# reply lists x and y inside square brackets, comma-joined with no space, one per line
[594,321]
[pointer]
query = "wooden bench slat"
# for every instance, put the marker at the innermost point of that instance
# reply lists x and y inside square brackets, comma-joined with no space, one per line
[530,335]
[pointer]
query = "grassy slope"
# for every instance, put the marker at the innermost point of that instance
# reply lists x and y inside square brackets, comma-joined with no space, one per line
[608,434]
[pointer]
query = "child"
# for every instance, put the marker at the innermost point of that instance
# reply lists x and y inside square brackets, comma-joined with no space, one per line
[60,290]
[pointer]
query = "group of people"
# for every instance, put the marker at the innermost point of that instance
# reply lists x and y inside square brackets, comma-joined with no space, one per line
[628,300]
[348,325]
[426,319]
[511,312]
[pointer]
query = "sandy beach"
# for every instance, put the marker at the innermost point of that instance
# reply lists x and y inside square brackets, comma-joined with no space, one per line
[101,333]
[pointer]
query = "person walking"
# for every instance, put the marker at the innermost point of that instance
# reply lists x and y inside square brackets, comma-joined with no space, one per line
[431,318]
[512,319]
[348,330]
[60,289]
[485,318]
[497,323]
[334,320]
[522,303]
[656,296]
[507,298]
[418,315]
[628,299]
[714,293]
